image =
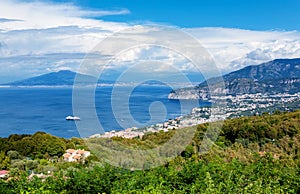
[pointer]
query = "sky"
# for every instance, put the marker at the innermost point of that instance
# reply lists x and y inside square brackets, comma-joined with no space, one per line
[245,14]
[42,36]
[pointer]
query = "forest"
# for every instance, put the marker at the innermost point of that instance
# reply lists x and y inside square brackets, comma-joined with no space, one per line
[257,154]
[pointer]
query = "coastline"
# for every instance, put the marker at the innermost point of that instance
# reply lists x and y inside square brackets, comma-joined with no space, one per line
[235,106]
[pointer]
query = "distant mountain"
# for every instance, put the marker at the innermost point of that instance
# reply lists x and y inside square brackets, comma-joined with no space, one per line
[64,77]
[278,76]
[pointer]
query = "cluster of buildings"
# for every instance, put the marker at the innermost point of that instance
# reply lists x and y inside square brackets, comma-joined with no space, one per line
[127,133]
[73,155]
[231,107]
[256,104]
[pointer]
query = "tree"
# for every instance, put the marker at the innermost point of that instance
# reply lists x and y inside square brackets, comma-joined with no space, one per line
[4,161]
[14,154]
[19,164]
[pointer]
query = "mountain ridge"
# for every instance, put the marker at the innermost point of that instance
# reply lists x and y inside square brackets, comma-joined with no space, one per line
[277,76]
[63,77]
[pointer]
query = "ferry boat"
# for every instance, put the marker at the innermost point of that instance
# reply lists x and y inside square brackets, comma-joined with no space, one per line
[72,118]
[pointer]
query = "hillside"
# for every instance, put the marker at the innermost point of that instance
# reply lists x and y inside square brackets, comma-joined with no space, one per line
[278,76]
[258,154]
[64,77]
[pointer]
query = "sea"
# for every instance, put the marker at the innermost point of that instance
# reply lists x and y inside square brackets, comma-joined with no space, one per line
[31,109]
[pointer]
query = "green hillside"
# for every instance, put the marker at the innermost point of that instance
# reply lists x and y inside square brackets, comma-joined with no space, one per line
[259,154]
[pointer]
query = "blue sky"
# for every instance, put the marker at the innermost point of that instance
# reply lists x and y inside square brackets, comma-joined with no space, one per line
[42,36]
[245,14]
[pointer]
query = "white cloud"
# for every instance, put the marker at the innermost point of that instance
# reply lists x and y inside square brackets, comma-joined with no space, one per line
[39,15]
[9,20]
[40,37]
[32,33]
[36,28]
[231,49]
[236,48]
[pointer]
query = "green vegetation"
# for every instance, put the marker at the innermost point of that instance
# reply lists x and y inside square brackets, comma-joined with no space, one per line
[39,145]
[258,154]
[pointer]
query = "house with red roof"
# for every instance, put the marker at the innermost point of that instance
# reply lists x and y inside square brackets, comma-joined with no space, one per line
[4,173]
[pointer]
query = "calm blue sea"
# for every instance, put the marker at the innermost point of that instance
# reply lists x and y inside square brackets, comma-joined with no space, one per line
[28,110]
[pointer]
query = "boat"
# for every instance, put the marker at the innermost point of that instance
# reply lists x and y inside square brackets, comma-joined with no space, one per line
[72,118]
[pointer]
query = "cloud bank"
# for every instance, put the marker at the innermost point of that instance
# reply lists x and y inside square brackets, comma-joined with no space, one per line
[37,38]
[237,48]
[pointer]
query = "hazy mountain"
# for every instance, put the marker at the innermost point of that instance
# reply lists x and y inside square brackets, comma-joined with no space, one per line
[278,76]
[64,77]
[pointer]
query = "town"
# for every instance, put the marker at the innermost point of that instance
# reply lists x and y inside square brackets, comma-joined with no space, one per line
[233,107]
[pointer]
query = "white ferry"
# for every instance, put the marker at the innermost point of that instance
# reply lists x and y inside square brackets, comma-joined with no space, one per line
[72,118]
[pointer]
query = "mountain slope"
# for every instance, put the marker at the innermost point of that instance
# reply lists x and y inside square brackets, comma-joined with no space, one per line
[64,77]
[278,76]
